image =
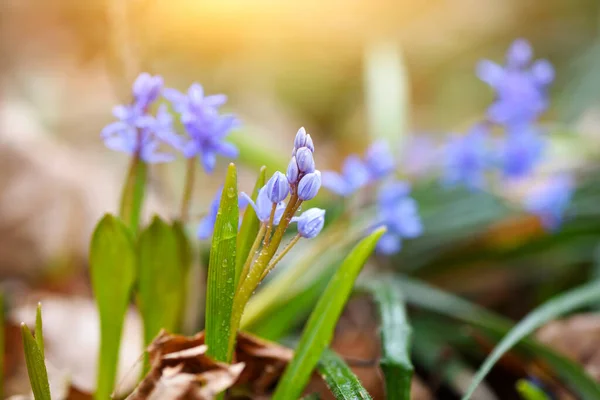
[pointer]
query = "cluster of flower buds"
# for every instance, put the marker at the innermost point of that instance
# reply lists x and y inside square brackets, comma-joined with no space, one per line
[302,182]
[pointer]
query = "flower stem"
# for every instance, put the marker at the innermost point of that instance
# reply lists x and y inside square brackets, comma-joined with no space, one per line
[132,196]
[188,189]
[253,249]
[246,288]
[270,225]
[273,263]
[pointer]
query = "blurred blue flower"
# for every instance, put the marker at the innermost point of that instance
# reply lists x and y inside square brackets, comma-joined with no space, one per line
[354,176]
[520,86]
[520,151]
[550,200]
[400,214]
[466,158]
[207,139]
[206,128]
[207,225]
[137,131]
[379,160]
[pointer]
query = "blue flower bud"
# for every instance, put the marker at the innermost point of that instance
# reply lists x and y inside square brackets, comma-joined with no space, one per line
[311,222]
[292,171]
[309,143]
[264,206]
[300,140]
[305,160]
[309,185]
[277,187]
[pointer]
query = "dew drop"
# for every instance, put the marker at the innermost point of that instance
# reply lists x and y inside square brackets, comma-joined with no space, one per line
[230,192]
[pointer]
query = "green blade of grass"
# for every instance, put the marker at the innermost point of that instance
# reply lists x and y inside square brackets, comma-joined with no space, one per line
[396,335]
[162,271]
[556,307]
[529,391]
[339,378]
[112,269]
[428,297]
[39,330]
[248,229]
[220,286]
[36,367]
[320,326]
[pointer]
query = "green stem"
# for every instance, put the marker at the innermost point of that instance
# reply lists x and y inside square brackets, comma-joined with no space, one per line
[273,263]
[132,196]
[251,254]
[270,225]
[246,288]
[188,189]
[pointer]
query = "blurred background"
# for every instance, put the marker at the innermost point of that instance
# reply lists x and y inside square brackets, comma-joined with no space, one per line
[65,64]
[349,71]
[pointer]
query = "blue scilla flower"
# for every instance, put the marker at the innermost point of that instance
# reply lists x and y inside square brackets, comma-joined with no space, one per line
[302,139]
[139,132]
[207,139]
[466,158]
[550,200]
[520,151]
[309,185]
[206,127]
[520,85]
[379,160]
[263,206]
[400,214]
[194,102]
[354,175]
[310,222]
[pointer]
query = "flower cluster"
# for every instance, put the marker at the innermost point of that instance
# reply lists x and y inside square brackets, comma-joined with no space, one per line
[139,132]
[301,182]
[357,173]
[399,212]
[521,96]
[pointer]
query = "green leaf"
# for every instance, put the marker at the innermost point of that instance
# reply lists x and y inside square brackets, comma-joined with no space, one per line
[554,308]
[339,378]
[132,197]
[221,272]
[39,330]
[529,391]
[162,269]
[248,229]
[320,326]
[36,368]
[113,270]
[288,314]
[428,297]
[395,339]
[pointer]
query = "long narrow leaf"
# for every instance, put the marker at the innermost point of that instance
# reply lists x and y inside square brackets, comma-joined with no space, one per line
[36,367]
[162,271]
[112,269]
[134,190]
[395,339]
[248,229]
[39,330]
[221,271]
[558,306]
[433,299]
[320,326]
[339,378]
